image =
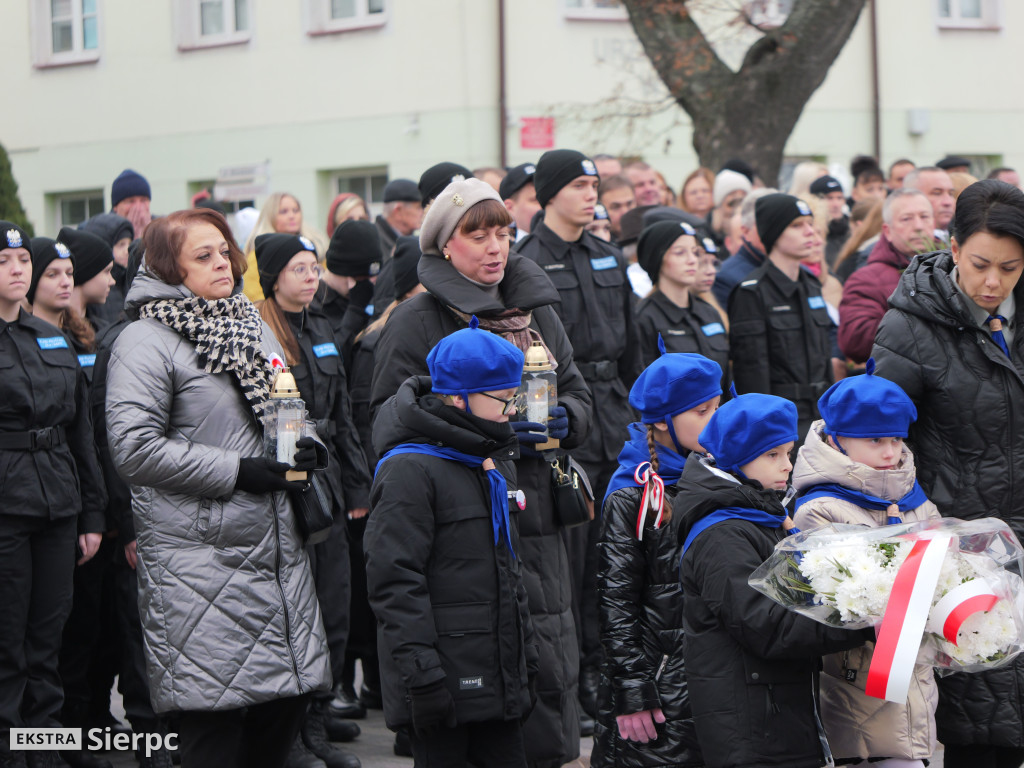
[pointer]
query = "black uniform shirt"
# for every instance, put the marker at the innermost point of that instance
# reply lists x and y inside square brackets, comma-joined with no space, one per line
[42,385]
[780,338]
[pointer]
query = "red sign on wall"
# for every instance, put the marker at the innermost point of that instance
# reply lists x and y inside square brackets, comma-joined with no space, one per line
[537,133]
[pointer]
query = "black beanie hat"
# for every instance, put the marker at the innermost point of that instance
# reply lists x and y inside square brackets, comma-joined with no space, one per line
[516,179]
[773,213]
[354,250]
[13,236]
[439,176]
[45,250]
[404,263]
[556,168]
[92,254]
[273,252]
[110,227]
[656,239]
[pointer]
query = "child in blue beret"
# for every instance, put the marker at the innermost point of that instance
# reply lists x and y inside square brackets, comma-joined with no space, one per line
[644,718]
[855,468]
[457,655]
[751,665]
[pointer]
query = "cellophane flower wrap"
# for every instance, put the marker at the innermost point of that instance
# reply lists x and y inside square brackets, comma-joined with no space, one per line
[843,576]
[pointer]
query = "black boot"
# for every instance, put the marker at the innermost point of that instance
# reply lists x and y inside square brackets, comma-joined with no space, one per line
[300,757]
[346,705]
[314,734]
[590,680]
[587,724]
[339,729]
[403,747]
[86,759]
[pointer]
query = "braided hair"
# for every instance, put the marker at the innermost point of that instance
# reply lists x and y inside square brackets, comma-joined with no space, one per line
[652,447]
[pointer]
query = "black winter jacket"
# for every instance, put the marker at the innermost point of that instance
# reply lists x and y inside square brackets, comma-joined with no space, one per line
[752,665]
[450,603]
[321,381]
[641,611]
[414,327]
[968,441]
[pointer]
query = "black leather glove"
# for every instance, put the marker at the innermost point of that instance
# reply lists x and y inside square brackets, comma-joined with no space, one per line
[361,294]
[432,706]
[262,475]
[309,455]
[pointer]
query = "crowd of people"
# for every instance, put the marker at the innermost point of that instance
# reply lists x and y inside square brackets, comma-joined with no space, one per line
[723,366]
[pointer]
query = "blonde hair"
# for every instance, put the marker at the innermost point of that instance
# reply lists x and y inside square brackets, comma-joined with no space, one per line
[804,175]
[268,215]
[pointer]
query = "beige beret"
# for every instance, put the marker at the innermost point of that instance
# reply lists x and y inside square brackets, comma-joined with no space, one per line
[447,211]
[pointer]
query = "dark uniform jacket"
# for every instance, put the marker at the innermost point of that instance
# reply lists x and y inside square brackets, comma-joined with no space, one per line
[968,441]
[641,609]
[414,327]
[345,317]
[781,339]
[697,328]
[734,270]
[119,495]
[450,603]
[42,386]
[596,307]
[359,382]
[321,381]
[751,665]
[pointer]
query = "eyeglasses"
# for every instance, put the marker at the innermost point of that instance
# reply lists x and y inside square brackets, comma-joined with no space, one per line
[302,270]
[508,405]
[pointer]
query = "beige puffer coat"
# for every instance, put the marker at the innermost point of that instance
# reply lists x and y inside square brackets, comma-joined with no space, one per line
[857,725]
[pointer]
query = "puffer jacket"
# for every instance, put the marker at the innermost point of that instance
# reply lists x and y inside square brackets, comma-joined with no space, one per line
[752,665]
[969,444]
[552,732]
[450,603]
[229,610]
[858,725]
[641,610]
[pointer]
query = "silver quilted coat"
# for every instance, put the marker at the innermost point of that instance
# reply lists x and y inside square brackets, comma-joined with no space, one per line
[228,606]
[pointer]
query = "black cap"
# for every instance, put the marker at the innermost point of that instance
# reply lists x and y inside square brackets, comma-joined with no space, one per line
[825,184]
[13,236]
[354,250]
[952,161]
[404,264]
[556,168]
[92,254]
[773,213]
[45,250]
[402,191]
[439,176]
[273,252]
[516,179]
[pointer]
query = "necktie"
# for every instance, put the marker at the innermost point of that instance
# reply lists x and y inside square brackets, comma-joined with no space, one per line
[995,325]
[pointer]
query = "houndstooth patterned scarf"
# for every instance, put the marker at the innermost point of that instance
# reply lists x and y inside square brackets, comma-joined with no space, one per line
[228,334]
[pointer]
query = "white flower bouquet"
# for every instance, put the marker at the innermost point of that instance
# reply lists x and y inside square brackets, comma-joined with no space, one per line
[946,593]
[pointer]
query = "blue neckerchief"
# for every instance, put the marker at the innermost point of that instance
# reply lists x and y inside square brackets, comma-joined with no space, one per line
[914,499]
[636,452]
[756,516]
[499,486]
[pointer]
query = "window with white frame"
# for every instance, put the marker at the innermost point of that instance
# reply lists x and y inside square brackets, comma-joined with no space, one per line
[367,183]
[65,32]
[72,208]
[969,14]
[612,10]
[212,23]
[327,16]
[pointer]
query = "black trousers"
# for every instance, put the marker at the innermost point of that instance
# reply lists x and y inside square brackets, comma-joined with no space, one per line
[90,647]
[238,738]
[331,574]
[493,743]
[362,634]
[981,756]
[582,544]
[36,563]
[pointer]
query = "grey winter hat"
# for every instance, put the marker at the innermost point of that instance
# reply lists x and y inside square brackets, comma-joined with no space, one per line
[447,210]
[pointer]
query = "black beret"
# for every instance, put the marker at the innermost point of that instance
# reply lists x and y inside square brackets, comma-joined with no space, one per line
[439,176]
[516,179]
[952,161]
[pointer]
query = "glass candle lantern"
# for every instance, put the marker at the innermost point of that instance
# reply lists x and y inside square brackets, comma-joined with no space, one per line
[538,393]
[285,422]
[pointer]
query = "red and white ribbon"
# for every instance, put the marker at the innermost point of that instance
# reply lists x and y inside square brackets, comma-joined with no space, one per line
[959,604]
[653,498]
[899,639]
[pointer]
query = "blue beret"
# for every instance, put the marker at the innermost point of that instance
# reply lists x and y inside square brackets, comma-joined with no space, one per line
[473,360]
[675,383]
[747,426]
[867,406]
